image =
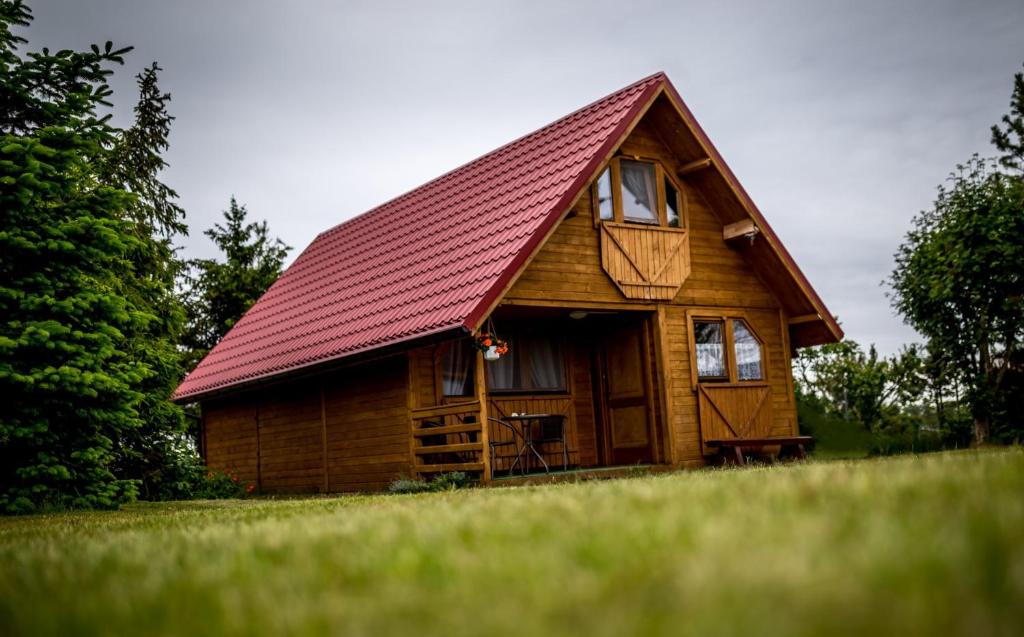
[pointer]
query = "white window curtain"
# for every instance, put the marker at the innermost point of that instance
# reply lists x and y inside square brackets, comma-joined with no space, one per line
[710,350]
[640,191]
[457,369]
[503,372]
[545,362]
[604,195]
[533,363]
[748,352]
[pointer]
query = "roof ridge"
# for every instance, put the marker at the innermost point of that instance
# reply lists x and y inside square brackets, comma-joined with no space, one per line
[660,75]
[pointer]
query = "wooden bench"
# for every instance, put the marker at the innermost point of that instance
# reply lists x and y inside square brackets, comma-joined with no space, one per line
[734,447]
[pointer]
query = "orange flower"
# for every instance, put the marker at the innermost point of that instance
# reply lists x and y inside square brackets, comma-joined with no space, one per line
[487,342]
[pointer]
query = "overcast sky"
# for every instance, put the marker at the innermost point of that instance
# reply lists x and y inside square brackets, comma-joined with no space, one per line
[840,118]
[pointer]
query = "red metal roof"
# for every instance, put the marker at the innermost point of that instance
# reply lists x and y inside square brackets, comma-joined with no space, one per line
[432,260]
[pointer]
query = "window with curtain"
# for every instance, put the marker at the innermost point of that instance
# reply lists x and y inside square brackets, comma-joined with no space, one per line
[708,337]
[748,352]
[533,363]
[457,378]
[604,195]
[711,338]
[639,191]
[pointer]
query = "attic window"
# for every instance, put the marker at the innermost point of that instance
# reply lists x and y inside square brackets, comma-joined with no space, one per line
[639,191]
[634,190]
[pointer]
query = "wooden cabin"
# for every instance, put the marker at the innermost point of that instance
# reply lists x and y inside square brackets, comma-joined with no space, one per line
[647,305]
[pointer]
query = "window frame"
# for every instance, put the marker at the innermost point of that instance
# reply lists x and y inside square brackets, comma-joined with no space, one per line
[726,318]
[725,328]
[660,176]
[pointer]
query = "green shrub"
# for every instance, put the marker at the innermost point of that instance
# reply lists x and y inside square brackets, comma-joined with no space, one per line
[450,481]
[441,482]
[408,485]
[833,436]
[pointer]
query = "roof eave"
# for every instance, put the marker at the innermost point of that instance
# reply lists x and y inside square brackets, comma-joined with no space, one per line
[321,366]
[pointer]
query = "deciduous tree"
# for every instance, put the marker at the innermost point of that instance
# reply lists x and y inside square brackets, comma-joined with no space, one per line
[959,281]
[860,386]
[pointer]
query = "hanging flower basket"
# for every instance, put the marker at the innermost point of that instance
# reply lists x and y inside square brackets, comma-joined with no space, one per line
[492,346]
[491,353]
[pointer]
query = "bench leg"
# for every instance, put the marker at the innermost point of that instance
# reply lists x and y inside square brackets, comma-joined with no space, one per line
[800,453]
[738,456]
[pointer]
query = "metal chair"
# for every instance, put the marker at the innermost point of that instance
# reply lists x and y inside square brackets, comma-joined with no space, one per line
[551,429]
[516,441]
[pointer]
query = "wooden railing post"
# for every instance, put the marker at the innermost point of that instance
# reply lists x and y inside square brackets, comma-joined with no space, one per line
[481,395]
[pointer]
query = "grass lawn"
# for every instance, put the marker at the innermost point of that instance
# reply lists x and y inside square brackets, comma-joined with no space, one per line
[915,545]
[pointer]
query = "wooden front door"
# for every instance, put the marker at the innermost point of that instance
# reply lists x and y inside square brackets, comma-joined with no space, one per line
[626,382]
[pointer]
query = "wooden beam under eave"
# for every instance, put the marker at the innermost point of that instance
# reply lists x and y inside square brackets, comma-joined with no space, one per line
[745,228]
[803,318]
[694,166]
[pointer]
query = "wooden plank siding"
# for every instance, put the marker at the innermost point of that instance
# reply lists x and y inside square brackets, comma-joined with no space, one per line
[230,432]
[284,439]
[367,425]
[291,443]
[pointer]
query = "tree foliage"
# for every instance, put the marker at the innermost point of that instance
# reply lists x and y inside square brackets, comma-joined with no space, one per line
[218,293]
[860,386]
[1010,140]
[960,283]
[69,384]
[157,453]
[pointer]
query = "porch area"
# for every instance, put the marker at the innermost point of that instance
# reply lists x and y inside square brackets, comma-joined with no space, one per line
[576,392]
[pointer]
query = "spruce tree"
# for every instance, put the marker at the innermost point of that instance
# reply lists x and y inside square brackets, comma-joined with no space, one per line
[158,455]
[219,293]
[1010,141]
[68,380]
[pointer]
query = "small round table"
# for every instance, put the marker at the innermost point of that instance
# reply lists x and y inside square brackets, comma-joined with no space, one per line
[525,423]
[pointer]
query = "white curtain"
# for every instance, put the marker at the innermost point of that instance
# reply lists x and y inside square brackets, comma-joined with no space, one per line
[502,372]
[748,352]
[546,369]
[710,350]
[638,200]
[457,369]
[533,362]
[604,195]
